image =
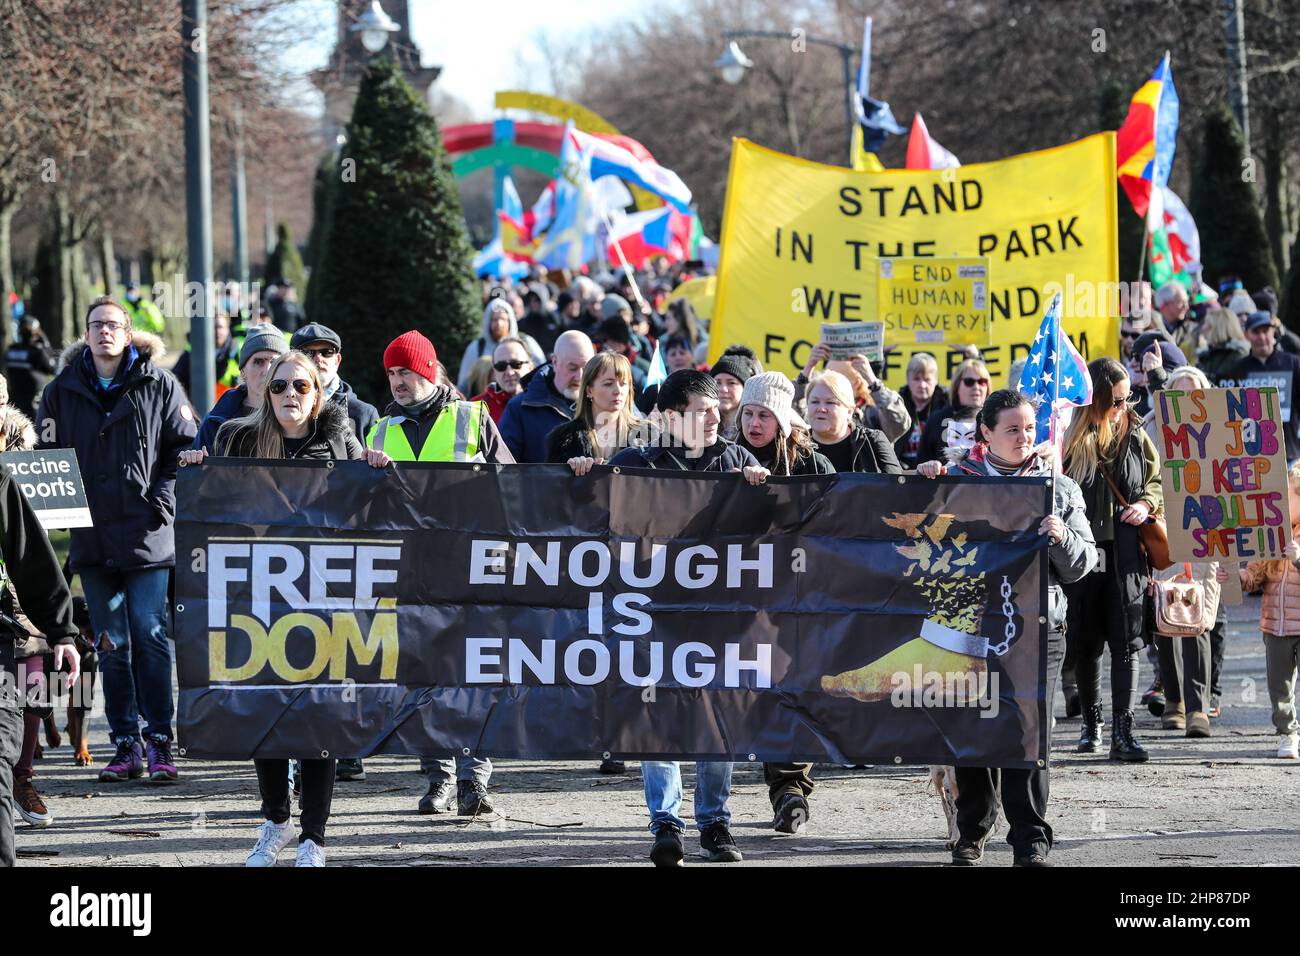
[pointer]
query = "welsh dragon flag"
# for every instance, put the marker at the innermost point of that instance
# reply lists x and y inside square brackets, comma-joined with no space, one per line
[1173,243]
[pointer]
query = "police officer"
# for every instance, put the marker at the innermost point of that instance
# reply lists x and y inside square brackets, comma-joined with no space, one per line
[31,362]
[144,315]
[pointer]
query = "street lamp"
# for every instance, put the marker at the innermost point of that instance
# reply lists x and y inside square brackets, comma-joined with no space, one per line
[733,63]
[374,26]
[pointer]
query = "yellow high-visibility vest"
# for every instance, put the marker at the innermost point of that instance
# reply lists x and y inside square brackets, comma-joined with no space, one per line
[455,436]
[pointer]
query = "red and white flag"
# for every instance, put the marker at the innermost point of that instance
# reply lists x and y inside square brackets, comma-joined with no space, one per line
[923,152]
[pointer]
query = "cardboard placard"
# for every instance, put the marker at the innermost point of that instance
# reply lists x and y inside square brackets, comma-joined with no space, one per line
[52,483]
[934,301]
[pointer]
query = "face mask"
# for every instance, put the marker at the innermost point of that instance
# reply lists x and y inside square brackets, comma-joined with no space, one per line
[133,297]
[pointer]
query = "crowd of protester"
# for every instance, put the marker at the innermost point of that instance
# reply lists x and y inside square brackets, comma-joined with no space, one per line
[562,375]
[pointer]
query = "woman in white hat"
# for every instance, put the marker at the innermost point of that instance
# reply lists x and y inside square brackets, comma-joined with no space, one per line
[770,429]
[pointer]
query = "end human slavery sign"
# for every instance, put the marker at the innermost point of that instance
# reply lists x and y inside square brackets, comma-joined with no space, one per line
[801,243]
[518,611]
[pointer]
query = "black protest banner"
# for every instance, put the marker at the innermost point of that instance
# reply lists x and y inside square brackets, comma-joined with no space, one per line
[518,611]
[52,483]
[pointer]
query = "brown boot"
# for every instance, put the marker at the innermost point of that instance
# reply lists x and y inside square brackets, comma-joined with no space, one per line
[1198,724]
[29,804]
[1174,717]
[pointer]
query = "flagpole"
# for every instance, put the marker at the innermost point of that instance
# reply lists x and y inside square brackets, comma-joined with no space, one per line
[627,270]
[1058,440]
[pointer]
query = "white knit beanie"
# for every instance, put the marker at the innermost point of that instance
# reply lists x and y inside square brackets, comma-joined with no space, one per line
[775,392]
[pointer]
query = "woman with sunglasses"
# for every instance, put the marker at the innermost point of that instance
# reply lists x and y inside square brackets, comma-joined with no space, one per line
[1118,469]
[510,363]
[950,431]
[847,445]
[294,421]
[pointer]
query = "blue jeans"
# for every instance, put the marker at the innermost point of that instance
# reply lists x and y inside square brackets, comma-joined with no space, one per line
[440,770]
[663,792]
[137,673]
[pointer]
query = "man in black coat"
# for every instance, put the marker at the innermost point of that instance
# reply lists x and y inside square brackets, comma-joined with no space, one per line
[30,365]
[1267,364]
[128,420]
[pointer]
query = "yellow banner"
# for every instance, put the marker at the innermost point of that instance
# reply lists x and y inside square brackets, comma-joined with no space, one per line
[800,243]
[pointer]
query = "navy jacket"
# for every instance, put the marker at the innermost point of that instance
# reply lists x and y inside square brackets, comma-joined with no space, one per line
[722,455]
[127,441]
[532,415]
[230,405]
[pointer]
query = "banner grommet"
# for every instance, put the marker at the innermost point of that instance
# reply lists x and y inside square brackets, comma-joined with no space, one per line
[1042,763]
[900,479]
[898,760]
[180,608]
[329,464]
[605,755]
[465,751]
[1042,619]
[324,754]
[618,470]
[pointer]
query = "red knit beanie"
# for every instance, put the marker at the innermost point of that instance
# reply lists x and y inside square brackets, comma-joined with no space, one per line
[412,350]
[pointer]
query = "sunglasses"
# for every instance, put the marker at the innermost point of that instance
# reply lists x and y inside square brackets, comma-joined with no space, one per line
[1121,402]
[328,352]
[300,385]
[1128,335]
[972,382]
[515,364]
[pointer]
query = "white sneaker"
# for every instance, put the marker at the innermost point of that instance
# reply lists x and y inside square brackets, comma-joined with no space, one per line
[1289,748]
[271,839]
[310,854]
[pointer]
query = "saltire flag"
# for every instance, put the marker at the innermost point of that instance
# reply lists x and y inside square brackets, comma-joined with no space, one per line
[570,239]
[1056,378]
[923,152]
[1173,242]
[604,158]
[1144,147]
[658,370]
[492,261]
[875,118]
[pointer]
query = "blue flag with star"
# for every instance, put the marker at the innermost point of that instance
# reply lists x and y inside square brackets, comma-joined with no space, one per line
[1055,376]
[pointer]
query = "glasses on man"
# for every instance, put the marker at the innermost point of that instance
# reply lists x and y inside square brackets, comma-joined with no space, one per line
[972,382]
[99,325]
[328,352]
[515,364]
[300,385]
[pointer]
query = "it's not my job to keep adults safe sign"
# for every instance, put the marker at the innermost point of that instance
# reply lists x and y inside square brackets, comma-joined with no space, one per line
[934,301]
[51,482]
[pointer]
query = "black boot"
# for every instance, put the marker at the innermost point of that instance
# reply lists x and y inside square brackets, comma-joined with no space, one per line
[1073,706]
[1090,730]
[1122,744]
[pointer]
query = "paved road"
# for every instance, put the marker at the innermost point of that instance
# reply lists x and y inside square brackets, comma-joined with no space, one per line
[1222,801]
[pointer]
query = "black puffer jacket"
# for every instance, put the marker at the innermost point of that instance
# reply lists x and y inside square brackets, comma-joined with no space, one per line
[127,440]
[331,439]
[872,452]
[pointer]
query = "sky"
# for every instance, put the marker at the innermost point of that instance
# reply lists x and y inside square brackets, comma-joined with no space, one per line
[481,47]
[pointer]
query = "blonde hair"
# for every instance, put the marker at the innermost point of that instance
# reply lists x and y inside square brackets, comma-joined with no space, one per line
[584,410]
[1220,327]
[861,391]
[480,374]
[260,432]
[1190,372]
[969,365]
[1091,438]
[840,387]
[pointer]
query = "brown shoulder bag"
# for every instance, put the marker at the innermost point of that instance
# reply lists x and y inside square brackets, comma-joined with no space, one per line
[1154,533]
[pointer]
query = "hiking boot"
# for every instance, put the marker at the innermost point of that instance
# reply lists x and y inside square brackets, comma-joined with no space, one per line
[1033,859]
[438,798]
[717,846]
[349,769]
[29,804]
[127,763]
[472,798]
[613,766]
[790,813]
[1090,730]
[1198,724]
[158,755]
[967,852]
[1174,717]
[1122,744]
[667,850]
